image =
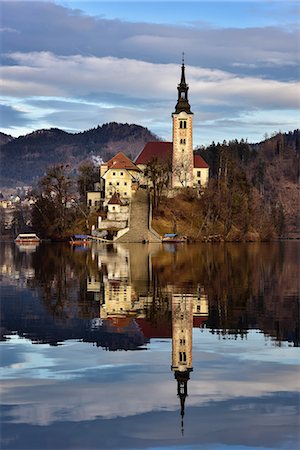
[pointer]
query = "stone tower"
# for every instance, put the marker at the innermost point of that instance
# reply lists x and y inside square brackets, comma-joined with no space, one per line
[182,328]
[182,157]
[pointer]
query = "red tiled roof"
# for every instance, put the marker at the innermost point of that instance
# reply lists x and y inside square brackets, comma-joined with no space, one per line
[115,199]
[199,162]
[121,161]
[162,151]
[155,150]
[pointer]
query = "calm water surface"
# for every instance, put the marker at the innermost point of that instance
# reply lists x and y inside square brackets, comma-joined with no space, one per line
[150,347]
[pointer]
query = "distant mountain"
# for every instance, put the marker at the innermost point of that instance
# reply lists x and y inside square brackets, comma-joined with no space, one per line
[5,138]
[24,159]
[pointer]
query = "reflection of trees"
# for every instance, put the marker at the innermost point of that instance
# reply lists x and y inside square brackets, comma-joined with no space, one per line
[248,285]
[60,276]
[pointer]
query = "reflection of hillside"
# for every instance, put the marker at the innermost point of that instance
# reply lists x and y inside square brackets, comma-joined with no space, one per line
[232,287]
[248,285]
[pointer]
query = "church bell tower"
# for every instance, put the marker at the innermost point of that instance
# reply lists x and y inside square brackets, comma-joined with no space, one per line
[182,157]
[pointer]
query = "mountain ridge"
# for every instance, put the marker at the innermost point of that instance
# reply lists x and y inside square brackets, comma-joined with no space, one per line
[25,159]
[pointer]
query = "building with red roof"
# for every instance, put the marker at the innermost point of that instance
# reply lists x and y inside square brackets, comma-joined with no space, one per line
[188,169]
[120,176]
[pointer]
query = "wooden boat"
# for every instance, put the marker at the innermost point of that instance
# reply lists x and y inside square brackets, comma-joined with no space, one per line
[80,239]
[27,238]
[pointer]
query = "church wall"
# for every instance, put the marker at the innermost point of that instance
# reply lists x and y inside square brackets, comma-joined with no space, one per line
[183,161]
[203,178]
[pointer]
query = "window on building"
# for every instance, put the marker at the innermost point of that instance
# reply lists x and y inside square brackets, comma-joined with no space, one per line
[199,182]
[182,124]
[114,174]
[125,193]
[121,174]
[182,357]
[110,183]
[125,183]
[198,173]
[118,183]
[90,202]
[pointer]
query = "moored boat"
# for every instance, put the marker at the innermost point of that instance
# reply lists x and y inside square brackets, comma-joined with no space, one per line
[27,238]
[172,237]
[80,239]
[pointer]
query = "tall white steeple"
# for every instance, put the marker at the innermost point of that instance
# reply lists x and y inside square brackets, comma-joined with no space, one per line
[182,157]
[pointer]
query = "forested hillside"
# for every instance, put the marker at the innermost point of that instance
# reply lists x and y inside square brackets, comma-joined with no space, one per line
[26,158]
[253,193]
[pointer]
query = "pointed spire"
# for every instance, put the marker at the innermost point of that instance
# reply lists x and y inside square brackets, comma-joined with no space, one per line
[183,102]
[182,81]
[182,379]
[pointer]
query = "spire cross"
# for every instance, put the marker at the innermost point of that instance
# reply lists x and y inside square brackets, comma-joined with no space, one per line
[182,57]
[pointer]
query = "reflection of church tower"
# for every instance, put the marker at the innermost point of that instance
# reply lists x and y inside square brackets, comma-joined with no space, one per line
[182,327]
[182,158]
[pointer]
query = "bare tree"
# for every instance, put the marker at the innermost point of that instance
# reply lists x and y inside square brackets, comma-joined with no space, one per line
[158,174]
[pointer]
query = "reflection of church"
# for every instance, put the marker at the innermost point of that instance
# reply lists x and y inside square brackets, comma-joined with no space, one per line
[182,327]
[129,298]
[127,289]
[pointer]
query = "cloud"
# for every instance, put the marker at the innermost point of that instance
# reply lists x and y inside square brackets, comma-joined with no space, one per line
[45,74]
[128,72]
[12,117]
[62,31]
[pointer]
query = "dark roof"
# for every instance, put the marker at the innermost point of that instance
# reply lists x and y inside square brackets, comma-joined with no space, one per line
[183,87]
[162,151]
[121,161]
[199,162]
[115,199]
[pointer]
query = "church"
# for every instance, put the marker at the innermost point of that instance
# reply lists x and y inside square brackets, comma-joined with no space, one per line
[121,177]
[188,169]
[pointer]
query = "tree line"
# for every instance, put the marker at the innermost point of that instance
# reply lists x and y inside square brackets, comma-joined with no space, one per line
[243,200]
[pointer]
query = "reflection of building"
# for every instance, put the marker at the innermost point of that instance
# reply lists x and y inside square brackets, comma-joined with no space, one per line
[14,269]
[182,327]
[124,278]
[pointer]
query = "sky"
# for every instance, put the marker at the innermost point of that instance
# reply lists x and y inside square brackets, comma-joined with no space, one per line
[75,65]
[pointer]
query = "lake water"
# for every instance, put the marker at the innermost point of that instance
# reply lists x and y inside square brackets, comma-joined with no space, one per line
[150,347]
